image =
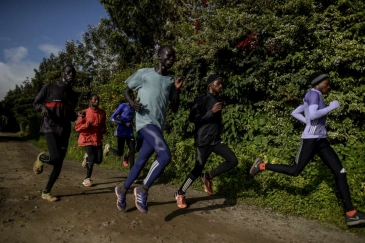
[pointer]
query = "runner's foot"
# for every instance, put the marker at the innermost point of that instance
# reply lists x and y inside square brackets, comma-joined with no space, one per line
[38,165]
[121,203]
[141,200]
[49,197]
[356,219]
[208,183]
[180,200]
[87,182]
[84,162]
[255,168]
[106,149]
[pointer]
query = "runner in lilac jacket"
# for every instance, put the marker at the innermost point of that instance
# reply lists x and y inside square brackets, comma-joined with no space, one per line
[314,141]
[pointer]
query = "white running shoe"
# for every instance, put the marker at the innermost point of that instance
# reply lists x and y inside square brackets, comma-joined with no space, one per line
[87,182]
[84,162]
[106,149]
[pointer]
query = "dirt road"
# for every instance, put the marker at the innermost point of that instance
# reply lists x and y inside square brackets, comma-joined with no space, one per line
[90,215]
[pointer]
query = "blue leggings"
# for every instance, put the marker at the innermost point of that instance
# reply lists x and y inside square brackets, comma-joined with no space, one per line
[153,141]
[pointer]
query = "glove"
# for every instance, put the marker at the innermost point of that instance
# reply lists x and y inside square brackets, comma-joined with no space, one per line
[333,105]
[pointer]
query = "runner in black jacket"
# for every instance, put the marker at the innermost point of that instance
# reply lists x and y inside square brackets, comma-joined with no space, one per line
[57,103]
[206,114]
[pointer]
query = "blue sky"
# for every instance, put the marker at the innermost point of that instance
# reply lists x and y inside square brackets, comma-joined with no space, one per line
[31,30]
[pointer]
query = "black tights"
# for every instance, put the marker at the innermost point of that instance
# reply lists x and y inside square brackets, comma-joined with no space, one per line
[94,156]
[120,151]
[310,147]
[57,148]
[202,155]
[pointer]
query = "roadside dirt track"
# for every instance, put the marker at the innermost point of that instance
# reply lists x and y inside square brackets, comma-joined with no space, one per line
[90,215]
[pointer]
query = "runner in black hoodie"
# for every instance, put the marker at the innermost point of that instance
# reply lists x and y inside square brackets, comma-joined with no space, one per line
[56,102]
[206,114]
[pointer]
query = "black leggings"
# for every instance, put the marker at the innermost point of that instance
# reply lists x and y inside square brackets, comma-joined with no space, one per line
[57,148]
[120,151]
[309,148]
[94,156]
[202,155]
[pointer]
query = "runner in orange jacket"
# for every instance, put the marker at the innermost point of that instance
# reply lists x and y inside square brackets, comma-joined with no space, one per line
[91,127]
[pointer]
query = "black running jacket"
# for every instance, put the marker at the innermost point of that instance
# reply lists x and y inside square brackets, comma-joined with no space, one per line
[208,125]
[61,101]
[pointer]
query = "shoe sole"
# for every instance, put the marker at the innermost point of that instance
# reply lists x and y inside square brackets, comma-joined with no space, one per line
[253,167]
[356,222]
[116,193]
[135,201]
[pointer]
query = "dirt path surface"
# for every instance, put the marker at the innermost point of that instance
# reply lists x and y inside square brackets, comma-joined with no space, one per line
[90,214]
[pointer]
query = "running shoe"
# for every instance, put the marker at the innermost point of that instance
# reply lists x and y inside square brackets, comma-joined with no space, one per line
[49,197]
[121,203]
[208,184]
[38,165]
[180,200]
[125,161]
[356,219]
[87,182]
[84,162]
[140,200]
[106,149]
[255,168]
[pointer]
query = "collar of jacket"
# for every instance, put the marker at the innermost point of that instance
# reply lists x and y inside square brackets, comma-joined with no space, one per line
[63,84]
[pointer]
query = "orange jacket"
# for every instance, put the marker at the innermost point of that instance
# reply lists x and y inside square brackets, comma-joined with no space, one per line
[91,134]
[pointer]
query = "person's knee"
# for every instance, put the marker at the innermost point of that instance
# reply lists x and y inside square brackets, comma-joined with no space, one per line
[91,159]
[233,162]
[138,166]
[164,157]
[197,171]
[295,173]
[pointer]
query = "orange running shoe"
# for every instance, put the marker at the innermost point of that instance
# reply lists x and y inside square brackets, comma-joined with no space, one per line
[180,200]
[208,184]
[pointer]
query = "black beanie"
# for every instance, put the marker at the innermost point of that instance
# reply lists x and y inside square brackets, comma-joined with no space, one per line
[317,77]
[212,78]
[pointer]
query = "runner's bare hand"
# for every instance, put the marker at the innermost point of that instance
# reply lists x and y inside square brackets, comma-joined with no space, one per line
[179,82]
[136,105]
[217,107]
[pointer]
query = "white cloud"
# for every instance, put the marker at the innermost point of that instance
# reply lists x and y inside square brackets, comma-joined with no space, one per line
[15,54]
[15,70]
[49,48]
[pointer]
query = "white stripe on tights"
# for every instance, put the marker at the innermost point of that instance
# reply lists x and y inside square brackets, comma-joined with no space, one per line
[153,167]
